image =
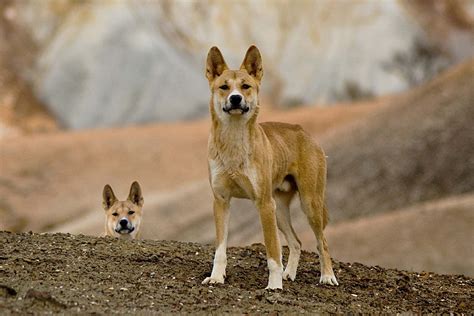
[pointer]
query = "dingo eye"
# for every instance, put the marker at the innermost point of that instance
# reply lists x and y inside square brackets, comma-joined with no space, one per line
[224,87]
[131,212]
[115,214]
[245,86]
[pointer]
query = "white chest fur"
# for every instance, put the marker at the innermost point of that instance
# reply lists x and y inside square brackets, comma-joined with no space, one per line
[230,180]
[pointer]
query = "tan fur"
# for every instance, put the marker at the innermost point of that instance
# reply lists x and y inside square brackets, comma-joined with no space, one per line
[267,163]
[130,209]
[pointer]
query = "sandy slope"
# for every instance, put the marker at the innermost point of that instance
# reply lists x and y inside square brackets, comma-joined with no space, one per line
[418,148]
[433,236]
[55,178]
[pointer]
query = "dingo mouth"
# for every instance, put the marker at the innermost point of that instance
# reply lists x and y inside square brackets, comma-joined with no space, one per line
[237,111]
[124,231]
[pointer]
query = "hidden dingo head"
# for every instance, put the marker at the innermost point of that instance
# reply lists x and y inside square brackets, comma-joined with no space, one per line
[123,218]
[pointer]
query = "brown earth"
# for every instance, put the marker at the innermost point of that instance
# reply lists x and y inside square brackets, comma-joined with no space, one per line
[63,273]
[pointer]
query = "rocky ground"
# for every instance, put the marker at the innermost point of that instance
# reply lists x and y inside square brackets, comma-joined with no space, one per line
[63,273]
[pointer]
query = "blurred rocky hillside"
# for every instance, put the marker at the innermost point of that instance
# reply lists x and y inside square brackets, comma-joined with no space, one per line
[20,109]
[105,63]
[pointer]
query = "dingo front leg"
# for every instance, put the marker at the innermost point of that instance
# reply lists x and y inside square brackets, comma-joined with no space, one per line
[221,218]
[272,243]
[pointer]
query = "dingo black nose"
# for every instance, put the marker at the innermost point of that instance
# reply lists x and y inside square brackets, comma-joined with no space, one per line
[123,222]
[235,99]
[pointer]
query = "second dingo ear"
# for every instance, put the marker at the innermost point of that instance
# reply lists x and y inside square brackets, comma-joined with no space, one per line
[253,63]
[215,64]
[108,197]
[135,195]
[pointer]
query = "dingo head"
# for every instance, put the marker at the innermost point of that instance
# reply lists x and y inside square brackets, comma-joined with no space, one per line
[234,92]
[122,218]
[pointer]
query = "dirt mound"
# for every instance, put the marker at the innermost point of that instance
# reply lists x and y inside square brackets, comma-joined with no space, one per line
[418,148]
[79,274]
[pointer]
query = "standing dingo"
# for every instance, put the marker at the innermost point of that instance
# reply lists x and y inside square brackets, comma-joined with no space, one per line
[267,163]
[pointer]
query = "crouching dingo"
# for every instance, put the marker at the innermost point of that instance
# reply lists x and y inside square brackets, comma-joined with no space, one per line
[267,163]
[123,218]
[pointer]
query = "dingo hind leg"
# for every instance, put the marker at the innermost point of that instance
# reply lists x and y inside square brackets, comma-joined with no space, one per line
[311,187]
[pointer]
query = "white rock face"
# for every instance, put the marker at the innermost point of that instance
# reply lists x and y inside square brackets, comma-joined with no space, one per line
[106,63]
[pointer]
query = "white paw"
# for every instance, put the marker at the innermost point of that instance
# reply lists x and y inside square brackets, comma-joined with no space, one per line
[328,279]
[274,286]
[289,275]
[213,280]
[275,280]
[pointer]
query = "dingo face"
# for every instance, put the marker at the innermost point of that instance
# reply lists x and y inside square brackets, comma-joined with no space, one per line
[234,92]
[123,218]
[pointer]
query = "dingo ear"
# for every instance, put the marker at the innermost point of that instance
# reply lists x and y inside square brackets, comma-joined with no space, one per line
[253,63]
[215,64]
[108,197]
[135,195]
